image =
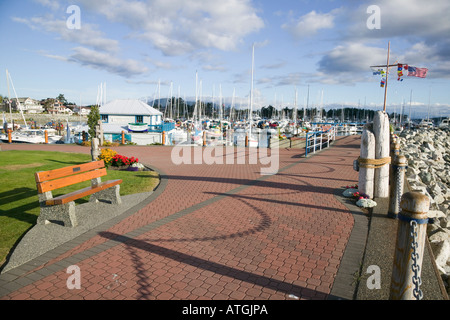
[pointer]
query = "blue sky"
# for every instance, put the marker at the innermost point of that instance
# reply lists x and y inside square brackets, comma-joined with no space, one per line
[132,45]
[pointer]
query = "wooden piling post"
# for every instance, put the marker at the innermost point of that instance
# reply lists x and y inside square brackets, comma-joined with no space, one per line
[399,166]
[123,137]
[411,236]
[204,138]
[395,151]
[382,152]
[9,136]
[246,140]
[46,136]
[367,173]
[163,138]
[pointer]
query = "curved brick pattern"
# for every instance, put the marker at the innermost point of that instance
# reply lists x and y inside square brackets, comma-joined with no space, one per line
[215,232]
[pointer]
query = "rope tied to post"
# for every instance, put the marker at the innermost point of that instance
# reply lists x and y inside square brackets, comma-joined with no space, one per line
[373,163]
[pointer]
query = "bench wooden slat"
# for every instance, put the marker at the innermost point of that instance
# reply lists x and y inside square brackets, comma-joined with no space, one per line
[67,181]
[82,193]
[42,176]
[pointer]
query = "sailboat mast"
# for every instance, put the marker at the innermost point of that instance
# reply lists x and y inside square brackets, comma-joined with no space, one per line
[220,106]
[18,102]
[9,97]
[194,113]
[307,102]
[410,102]
[387,74]
[251,92]
[159,95]
[295,113]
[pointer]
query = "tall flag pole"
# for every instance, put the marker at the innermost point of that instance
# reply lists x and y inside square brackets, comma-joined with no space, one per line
[387,74]
[412,72]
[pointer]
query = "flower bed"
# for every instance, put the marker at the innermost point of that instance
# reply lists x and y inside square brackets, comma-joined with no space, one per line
[116,161]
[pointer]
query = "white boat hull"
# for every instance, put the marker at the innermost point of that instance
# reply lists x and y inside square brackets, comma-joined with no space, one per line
[137,128]
[31,136]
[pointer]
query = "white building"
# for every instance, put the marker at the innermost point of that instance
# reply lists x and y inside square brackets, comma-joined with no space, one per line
[124,112]
[59,108]
[83,111]
[28,105]
[135,121]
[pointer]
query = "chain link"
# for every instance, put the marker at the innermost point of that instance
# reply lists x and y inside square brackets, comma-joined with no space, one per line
[400,180]
[417,281]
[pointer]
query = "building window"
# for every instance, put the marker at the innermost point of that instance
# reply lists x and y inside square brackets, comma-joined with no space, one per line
[139,119]
[104,118]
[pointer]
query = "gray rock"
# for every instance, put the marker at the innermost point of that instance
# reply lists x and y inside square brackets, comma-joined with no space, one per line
[439,235]
[441,251]
[439,199]
[426,176]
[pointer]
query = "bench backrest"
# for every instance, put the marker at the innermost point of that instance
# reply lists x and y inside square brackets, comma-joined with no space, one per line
[59,178]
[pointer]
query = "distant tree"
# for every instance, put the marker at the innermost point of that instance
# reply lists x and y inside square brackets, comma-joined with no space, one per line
[48,103]
[268,112]
[62,99]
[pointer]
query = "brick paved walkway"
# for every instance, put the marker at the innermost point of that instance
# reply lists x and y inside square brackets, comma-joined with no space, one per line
[212,232]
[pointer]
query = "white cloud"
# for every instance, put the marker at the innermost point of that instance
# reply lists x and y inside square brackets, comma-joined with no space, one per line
[277,65]
[217,67]
[310,23]
[404,18]
[418,31]
[88,35]
[103,61]
[353,57]
[177,27]
[52,4]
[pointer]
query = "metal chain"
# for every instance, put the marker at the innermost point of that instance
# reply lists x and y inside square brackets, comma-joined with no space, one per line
[400,180]
[417,281]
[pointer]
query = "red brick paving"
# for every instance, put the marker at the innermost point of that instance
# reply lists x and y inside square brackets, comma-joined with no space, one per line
[284,235]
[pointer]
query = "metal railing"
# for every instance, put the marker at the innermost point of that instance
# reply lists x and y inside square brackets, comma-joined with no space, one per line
[319,139]
[165,126]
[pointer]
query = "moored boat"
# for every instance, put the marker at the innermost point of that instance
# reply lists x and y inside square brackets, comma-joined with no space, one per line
[137,127]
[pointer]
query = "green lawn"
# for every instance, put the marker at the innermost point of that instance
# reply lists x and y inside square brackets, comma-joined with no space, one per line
[19,206]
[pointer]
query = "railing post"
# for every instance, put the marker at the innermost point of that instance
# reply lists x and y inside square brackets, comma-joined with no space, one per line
[315,142]
[306,147]
[411,236]
[399,167]
[321,135]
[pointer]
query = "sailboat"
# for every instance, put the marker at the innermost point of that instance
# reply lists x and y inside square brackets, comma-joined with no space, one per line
[252,139]
[27,135]
[197,134]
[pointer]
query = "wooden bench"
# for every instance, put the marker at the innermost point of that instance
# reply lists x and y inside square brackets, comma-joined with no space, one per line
[62,208]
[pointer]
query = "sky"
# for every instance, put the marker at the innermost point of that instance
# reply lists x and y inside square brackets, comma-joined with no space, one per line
[148,49]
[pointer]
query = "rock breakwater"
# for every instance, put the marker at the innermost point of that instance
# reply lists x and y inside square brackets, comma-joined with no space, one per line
[428,154]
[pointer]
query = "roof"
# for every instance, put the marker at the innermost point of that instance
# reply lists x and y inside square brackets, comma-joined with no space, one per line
[128,107]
